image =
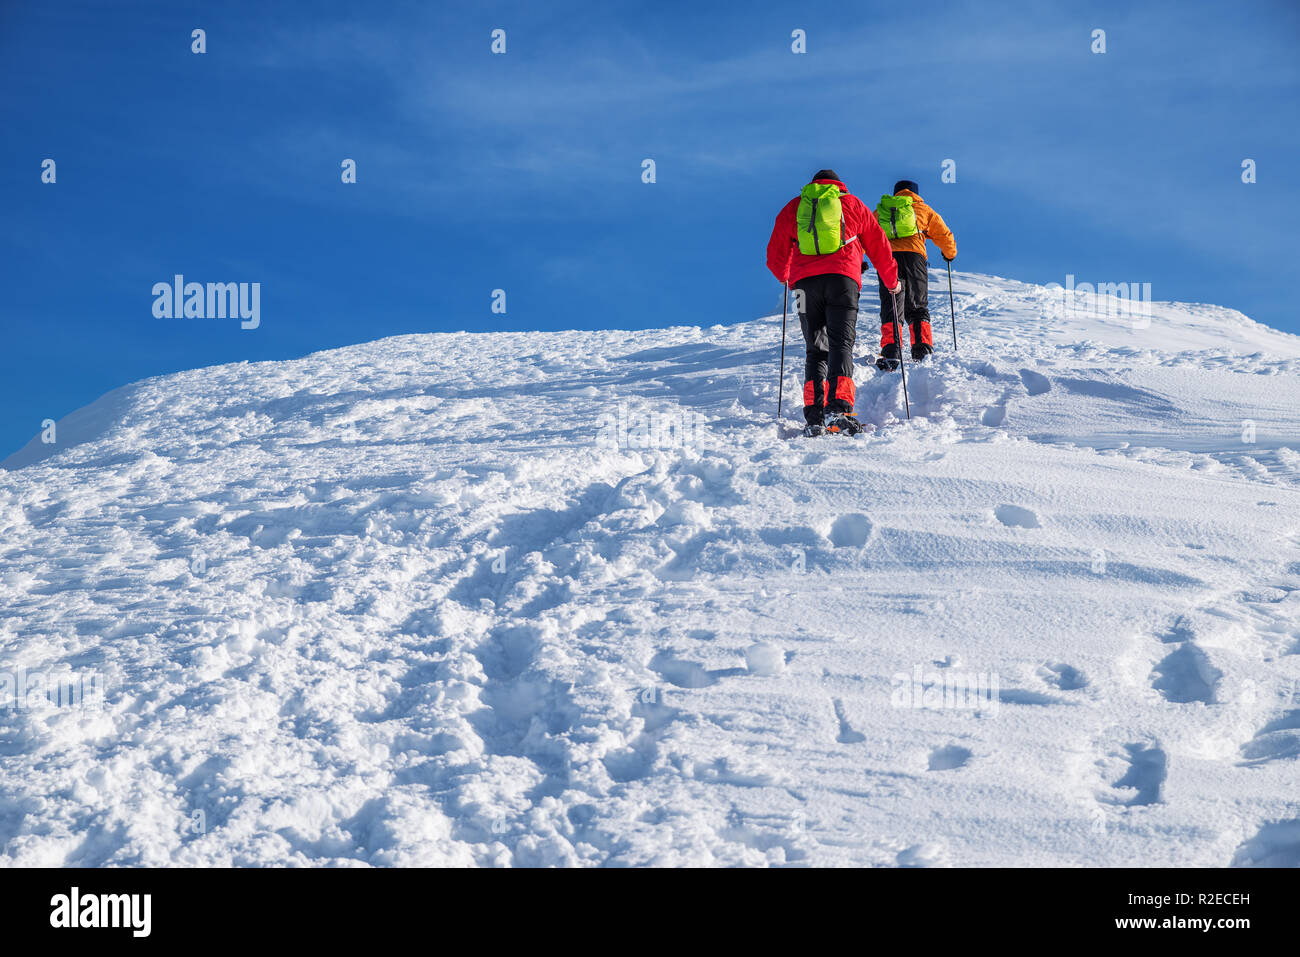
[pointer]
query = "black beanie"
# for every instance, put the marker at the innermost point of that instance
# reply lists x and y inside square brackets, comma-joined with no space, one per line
[903,184]
[827,174]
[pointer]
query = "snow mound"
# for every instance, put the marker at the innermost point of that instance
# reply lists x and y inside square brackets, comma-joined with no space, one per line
[568,599]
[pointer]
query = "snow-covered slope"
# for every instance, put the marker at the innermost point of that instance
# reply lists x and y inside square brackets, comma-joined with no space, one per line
[415,602]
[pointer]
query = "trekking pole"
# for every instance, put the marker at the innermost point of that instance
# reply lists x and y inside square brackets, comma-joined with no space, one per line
[898,338]
[780,382]
[951,308]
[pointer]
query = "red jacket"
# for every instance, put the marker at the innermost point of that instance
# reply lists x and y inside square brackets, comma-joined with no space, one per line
[789,265]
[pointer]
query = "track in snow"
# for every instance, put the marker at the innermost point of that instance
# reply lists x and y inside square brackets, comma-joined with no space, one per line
[348,613]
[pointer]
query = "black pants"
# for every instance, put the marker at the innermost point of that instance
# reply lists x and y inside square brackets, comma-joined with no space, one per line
[828,315]
[914,270]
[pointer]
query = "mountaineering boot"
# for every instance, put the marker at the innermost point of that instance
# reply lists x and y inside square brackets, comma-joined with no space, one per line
[814,428]
[842,423]
[920,350]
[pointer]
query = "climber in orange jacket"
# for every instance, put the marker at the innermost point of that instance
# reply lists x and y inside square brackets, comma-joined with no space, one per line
[909,222]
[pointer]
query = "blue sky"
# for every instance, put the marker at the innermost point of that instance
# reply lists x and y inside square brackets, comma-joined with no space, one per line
[522,171]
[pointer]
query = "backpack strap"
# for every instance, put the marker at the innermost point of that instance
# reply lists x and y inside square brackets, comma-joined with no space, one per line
[844,229]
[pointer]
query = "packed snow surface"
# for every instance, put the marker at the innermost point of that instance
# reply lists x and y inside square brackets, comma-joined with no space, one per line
[569,599]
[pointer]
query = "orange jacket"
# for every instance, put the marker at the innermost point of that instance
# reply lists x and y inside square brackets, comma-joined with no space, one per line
[929,225]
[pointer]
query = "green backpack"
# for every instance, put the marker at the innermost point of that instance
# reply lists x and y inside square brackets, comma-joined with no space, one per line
[897,217]
[819,220]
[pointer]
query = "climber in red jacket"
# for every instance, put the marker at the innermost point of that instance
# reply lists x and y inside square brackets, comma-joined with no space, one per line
[817,246]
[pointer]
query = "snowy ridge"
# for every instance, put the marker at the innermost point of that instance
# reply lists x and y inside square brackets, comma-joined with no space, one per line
[349,611]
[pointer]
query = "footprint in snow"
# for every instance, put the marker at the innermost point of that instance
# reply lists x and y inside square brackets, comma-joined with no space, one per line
[1185,676]
[1063,677]
[683,674]
[850,531]
[949,758]
[1276,845]
[1035,382]
[1276,741]
[1015,516]
[1145,767]
[689,674]
[847,735]
[631,763]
